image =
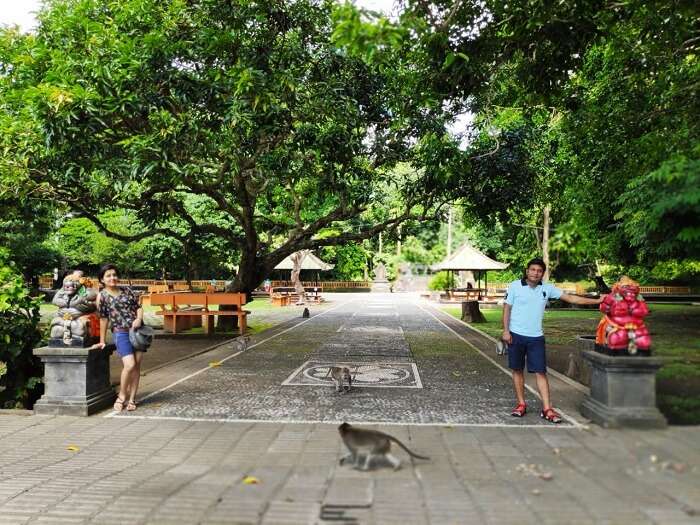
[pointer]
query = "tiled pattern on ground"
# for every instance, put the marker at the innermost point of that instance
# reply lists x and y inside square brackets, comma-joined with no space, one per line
[122,471]
[370,330]
[459,385]
[363,374]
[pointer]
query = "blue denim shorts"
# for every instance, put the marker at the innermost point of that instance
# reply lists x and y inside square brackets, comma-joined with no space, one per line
[531,348]
[121,341]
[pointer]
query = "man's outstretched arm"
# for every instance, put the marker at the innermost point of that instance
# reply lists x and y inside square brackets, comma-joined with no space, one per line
[577,299]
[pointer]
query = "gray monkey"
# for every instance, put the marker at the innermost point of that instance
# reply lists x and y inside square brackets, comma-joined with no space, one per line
[365,445]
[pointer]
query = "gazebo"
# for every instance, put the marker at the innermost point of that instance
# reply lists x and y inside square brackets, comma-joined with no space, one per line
[310,262]
[468,258]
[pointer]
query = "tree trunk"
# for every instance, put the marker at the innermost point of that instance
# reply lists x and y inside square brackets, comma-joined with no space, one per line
[471,312]
[250,275]
[449,232]
[545,241]
[297,259]
[398,242]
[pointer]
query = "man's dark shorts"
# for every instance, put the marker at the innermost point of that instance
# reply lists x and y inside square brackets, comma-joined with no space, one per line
[533,348]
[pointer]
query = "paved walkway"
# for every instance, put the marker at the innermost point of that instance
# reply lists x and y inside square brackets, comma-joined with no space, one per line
[248,435]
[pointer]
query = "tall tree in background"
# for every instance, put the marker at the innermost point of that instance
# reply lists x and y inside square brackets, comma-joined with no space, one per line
[622,78]
[249,106]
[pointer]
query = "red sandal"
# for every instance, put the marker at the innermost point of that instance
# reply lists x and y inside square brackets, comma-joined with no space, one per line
[520,410]
[550,415]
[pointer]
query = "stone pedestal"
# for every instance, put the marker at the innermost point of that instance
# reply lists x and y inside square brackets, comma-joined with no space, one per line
[623,391]
[380,286]
[76,381]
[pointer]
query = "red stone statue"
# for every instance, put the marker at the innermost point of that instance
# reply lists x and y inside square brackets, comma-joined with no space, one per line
[622,329]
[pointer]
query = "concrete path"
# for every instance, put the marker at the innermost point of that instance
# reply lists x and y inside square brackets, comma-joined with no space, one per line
[412,364]
[244,435]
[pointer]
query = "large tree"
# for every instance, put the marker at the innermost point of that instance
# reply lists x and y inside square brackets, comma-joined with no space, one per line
[619,81]
[236,120]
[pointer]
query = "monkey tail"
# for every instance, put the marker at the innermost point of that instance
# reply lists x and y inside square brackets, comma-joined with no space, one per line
[408,450]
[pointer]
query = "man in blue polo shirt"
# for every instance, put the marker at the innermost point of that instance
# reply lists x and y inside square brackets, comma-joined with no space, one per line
[522,331]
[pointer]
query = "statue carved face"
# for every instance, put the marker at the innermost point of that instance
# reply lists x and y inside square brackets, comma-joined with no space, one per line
[627,288]
[70,286]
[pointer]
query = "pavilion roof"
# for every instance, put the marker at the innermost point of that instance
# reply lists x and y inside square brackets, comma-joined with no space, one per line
[310,262]
[469,258]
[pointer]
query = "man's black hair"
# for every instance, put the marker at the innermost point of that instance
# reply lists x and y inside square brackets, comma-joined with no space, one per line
[539,262]
[105,269]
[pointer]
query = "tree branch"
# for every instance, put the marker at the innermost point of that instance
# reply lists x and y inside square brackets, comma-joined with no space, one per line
[129,238]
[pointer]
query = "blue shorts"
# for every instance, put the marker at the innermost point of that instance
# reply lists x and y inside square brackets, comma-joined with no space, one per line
[530,347]
[121,341]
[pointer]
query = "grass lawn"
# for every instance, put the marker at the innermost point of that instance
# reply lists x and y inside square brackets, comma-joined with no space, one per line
[675,331]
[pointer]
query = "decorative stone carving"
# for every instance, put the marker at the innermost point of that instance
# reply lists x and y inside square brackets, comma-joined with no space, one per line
[380,283]
[623,376]
[380,273]
[76,323]
[622,331]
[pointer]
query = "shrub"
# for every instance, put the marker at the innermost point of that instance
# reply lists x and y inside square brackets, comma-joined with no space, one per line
[20,371]
[441,281]
[680,410]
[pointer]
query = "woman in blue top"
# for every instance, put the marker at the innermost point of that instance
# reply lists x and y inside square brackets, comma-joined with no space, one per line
[119,308]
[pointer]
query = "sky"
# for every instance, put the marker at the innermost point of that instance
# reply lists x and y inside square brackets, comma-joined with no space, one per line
[20,11]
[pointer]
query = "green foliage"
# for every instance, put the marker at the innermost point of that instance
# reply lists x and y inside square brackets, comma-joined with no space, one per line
[590,109]
[679,271]
[680,410]
[671,271]
[25,229]
[349,261]
[83,245]
[242,141]
[413,250]
[20,380]
[660,210]
[441,281]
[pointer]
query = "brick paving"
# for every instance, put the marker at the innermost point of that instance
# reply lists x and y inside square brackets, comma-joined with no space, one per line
[167,463]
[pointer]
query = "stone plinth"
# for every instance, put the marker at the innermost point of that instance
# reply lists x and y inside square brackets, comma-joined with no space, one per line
[623,391]
[380,286]
[76,381]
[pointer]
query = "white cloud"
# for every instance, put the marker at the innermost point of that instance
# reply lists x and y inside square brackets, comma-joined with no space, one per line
[19,12]
[384,6]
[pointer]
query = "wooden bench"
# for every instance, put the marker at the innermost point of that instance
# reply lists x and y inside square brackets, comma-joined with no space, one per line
[279,299]
[286,295]
[471,294]
[158,288]
[180,308]
[145,298]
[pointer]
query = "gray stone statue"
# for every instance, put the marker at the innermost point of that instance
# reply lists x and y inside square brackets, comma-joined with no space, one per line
[76,322]
[380,273]
[380,283]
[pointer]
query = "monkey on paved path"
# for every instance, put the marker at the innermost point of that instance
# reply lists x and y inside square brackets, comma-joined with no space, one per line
[369,444]
[341,378]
